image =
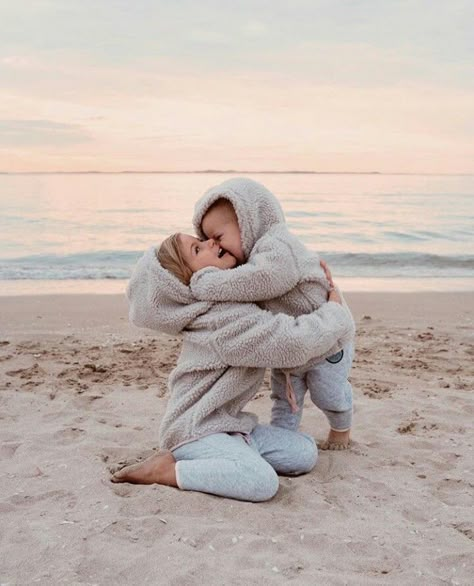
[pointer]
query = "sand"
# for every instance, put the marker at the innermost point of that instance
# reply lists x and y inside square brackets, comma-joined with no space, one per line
[81,390]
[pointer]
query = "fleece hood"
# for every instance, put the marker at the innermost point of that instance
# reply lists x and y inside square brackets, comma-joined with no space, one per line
[173,307]
[257,209]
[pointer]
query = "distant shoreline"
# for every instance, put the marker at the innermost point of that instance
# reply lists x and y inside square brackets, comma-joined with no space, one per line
[203,172]
[226,172]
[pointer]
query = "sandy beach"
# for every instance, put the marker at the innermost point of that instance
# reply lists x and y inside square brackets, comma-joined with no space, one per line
[82,390]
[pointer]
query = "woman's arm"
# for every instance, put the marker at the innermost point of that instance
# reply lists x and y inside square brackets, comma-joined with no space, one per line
[254,337]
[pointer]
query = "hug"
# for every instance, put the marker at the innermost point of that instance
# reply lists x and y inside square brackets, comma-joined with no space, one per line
[246,295]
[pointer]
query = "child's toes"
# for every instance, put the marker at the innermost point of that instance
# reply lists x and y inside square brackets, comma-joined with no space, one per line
[331,445]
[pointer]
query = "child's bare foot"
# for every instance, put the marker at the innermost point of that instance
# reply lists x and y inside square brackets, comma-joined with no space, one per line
[158,469]
[337,440]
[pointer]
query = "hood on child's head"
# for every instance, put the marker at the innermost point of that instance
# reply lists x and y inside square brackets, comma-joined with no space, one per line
[257,209]
[160,300]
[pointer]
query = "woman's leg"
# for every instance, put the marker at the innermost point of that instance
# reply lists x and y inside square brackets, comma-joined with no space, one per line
[225,465]
[157,469]
[229,465]
[288,452]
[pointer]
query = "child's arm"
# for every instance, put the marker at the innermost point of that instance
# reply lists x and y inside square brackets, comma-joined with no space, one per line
[270,272]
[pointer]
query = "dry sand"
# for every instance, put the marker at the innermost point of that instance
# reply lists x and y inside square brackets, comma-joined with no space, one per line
[81,389]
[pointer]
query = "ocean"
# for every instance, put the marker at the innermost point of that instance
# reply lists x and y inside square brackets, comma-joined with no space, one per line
[79,233]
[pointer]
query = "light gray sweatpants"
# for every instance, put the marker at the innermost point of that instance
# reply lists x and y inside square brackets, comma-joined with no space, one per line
[244,466]
[329,388]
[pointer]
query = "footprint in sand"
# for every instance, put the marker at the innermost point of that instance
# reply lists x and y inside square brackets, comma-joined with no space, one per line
[466,528]
[7,450]
[454,492]
[143,504]
[132,530]
[59,496]
[89,402]
[407,427]
[70,435]
[425,336]
[89,372]
[124,490]
[27,373]
[26,347]
[376,390]
[410,364]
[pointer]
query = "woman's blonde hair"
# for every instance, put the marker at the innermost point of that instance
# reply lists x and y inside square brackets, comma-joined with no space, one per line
[171,258]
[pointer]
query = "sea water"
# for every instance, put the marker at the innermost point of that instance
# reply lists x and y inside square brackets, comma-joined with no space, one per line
[85,232]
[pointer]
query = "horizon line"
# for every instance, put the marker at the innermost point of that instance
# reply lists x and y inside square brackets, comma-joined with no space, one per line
[227,172]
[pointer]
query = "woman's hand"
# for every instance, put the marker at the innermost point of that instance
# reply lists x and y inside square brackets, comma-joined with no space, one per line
[334,294]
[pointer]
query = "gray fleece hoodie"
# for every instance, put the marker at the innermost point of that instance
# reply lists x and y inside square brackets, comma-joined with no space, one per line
[280,273]
[226,347]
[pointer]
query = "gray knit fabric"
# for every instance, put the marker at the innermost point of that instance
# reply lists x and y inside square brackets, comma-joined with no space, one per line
[280,273]
[329,388]
[225,349]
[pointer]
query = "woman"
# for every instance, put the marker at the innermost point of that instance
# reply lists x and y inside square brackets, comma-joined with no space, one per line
[211,444]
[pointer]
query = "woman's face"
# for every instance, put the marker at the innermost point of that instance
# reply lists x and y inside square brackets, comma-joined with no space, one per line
[199,254]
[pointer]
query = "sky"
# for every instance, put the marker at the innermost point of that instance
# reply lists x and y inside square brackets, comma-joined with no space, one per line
[321,85]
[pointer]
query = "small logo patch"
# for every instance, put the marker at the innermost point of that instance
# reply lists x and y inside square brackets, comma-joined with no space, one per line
[335,358]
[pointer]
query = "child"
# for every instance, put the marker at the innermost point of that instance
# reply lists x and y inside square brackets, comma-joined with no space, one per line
[212,444]
[282,276]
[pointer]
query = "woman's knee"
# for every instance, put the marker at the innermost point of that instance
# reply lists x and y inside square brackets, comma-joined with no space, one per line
[262,483]
[309,456]
[304,456]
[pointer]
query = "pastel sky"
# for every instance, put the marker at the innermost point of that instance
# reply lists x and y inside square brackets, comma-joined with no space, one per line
[247,84]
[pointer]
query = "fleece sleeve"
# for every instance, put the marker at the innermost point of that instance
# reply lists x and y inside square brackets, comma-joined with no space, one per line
[270,272]
[258,338]
[157,300]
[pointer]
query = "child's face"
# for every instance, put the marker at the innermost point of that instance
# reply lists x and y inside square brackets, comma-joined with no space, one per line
[199,254]
[220,223]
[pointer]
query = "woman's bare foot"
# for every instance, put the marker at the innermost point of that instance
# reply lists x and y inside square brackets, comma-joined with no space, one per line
[337,440]
[158,469]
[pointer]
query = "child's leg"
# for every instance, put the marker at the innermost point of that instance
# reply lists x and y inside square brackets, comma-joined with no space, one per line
[288,452]
[225,465]
[282,414]
[331,391]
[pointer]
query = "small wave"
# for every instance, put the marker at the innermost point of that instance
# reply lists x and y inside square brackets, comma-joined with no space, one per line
[92,265]
[119,265]
[403,236]
[401,259]
[403,264]
[132,211]
[301,214]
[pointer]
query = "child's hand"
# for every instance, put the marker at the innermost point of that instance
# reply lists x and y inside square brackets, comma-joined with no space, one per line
[334,294]
[327,272]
